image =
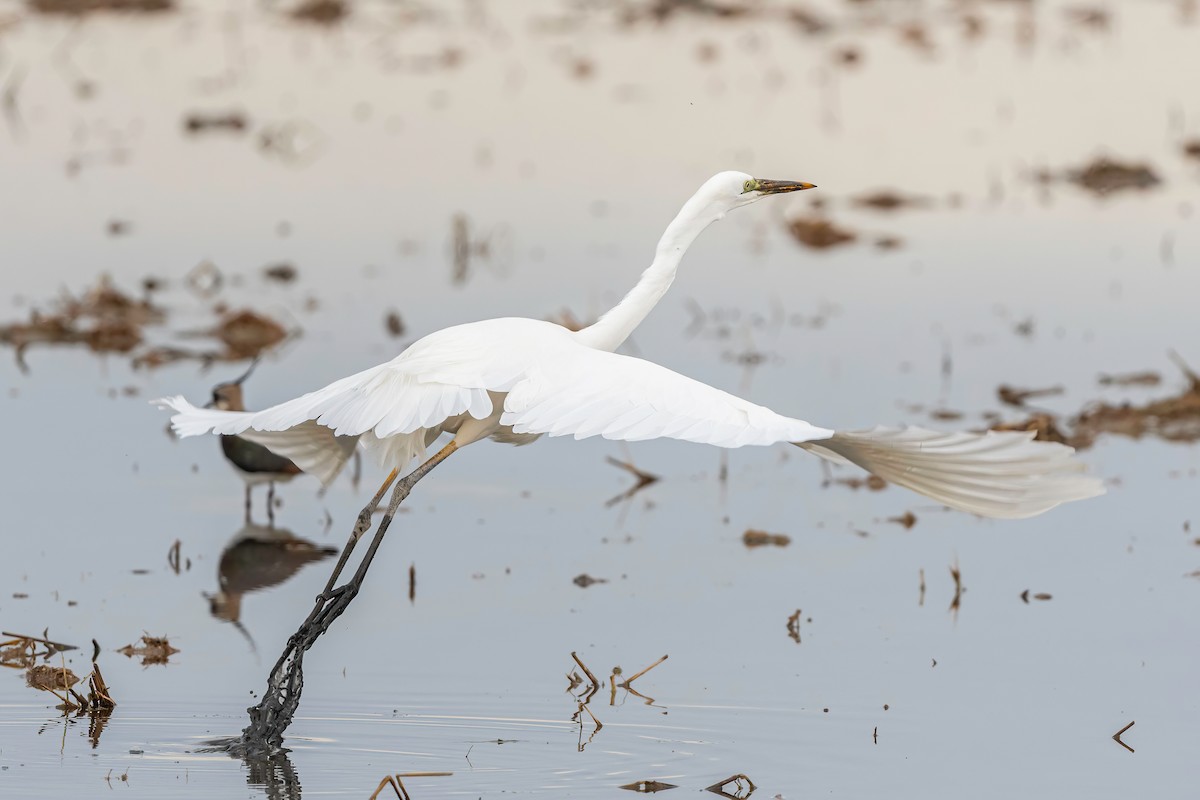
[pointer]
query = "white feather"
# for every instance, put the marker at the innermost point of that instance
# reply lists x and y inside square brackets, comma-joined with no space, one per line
[1006,475]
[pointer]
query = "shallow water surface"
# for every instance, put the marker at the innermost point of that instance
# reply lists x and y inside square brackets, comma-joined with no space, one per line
[847,662]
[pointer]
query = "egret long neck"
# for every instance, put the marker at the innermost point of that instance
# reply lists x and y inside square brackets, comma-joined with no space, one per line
[612,329]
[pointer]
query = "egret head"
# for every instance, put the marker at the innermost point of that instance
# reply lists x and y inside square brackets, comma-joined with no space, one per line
[735,189]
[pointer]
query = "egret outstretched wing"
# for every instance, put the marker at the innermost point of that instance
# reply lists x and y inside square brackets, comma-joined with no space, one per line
[584,392]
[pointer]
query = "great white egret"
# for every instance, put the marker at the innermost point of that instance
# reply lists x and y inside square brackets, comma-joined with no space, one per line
[514,380]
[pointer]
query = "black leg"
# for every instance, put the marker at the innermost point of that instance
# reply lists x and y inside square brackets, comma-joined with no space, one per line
[274,712]
[361,526]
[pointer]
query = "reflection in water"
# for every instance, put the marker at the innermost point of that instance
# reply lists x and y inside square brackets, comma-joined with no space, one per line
[591,686]
[258,558]
[735,787]
[275,775]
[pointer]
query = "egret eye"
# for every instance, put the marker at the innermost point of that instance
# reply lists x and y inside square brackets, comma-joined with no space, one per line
[749,186]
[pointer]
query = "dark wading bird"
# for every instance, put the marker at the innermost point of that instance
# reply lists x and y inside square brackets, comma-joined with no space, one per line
[254,462]
[513,380]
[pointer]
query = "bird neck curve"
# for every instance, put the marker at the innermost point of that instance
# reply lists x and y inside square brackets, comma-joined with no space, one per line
[611,330]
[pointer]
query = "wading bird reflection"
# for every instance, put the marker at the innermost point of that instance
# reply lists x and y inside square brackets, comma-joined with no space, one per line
[514,380]
[257,558]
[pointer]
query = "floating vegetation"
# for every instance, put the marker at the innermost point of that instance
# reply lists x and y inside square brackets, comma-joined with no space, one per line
[870,482]
[197,122]
[21,651]
[1104,176]
[648,787]
[282,272]
[644,479]
[398,785]
[104,319]
[793,626]
[247,333]
[1144,378]
[1044,427]
[50,679]
[80,7]
[819,233]
[152,650]
[61,682]
[889,200]
[736,787]
[394,324]
[756,538]
[1175,418]
[1017,397]
[320,12]
[584,690]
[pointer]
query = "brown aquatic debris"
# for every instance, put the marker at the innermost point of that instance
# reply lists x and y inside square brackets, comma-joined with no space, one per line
[1012,396]
[743,787]
[872,482]
[1105,175]
[644,479]
[889,200]
[1117,737]
[809,22]
[755,538]
[626,684]
[1174,419]
[398,785]
[819,233]
[648,787]
[281,273]
[394,324]
[321,12]
[20,650]
[247,333]
[50,678]
[152,650]
[81,7]
[1044,426]
[793,626]
[1089,17]
[104,319]
[229,121]
[1145,378]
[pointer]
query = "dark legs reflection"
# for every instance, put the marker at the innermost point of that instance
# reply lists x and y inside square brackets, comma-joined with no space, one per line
[274,775]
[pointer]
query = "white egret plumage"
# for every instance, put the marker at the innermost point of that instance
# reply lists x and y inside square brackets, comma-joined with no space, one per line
[514,380]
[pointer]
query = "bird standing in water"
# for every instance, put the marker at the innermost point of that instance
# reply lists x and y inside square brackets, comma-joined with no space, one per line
[254,462]
[514,380]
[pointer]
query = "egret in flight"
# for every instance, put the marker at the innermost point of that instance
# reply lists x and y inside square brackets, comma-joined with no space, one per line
[515,380]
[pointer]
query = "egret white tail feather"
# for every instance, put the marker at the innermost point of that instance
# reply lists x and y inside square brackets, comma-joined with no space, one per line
[1005,475]
[514,380]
